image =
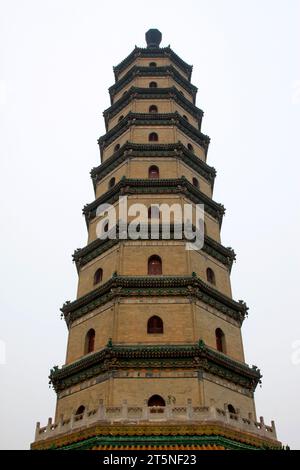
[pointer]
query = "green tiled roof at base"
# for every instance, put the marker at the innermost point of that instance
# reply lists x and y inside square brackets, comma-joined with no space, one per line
[117,442]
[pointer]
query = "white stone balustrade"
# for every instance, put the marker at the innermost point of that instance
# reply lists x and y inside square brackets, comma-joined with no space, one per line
[170,413]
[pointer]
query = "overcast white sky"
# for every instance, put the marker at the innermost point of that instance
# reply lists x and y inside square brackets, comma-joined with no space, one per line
[56,63]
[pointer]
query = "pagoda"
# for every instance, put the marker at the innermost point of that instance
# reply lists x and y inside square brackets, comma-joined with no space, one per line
[155,355]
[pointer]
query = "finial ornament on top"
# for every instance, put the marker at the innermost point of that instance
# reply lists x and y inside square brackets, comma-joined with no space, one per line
[153,38]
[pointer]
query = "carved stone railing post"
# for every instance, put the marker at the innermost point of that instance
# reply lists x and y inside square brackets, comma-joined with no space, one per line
[189,410]
[60,422]
[227,416]
[100,411]
[167,412]
[145,411]
[262,425]
[85,416]
[37,430]
[212,409]
[72,420]
[124,411]
[274,429]
[49,424]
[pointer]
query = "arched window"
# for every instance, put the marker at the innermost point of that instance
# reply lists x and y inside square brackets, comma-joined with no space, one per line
[152,64]
[153,137]
[121,117]
[153,172]
[153,213]
[210,276]
[105,228]
[117,147]
[156,400]
[196,182]
[152,85]
[153,109]
[90,341]
[112,182]
[154,265]
[80,410]
[155,325]
[190,147]
[220,340]
[231,409]
[185,117]
[98,276]
[181,92]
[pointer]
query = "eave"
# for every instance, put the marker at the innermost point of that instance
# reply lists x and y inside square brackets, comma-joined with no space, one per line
[139,71]
[127,286]
[196,356]
[130,149]
[84,255]
[152,53]
[152,94]
[149,119]
[181,185]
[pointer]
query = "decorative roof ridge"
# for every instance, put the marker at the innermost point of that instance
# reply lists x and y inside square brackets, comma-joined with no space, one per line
[189,350]
[153,282]
[153,52]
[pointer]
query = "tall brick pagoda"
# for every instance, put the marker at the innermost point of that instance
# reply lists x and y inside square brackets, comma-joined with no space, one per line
[155,355]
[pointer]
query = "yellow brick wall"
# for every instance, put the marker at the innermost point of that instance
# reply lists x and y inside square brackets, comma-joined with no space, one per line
[131,259]
[207,320]
[223,395]
[109,149]
[198,150]
[162,82]
[101,321]
[136,390]
[140,135]
[89,397]
[138,168]
[176,388]
[200,261]
[108,261]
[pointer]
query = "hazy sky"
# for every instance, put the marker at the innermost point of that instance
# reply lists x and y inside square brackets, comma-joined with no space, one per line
[56,63]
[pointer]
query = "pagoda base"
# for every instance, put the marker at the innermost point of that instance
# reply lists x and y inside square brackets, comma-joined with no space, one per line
[166,428]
